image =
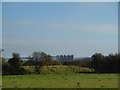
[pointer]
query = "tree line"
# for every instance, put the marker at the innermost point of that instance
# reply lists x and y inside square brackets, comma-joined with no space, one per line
[99,62]
[106,64]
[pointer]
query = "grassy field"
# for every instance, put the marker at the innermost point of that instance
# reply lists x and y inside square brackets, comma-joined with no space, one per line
[61,81]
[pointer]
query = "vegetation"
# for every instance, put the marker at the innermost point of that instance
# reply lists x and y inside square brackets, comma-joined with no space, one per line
[43,72]
[13,66]
[59,69]
[98,64]
[106,64]
[61,81]
[40,58]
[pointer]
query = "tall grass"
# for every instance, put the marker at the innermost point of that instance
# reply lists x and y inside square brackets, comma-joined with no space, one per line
[59,69]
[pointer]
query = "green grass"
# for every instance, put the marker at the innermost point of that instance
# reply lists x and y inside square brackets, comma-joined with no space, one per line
[0,82]
[61,81]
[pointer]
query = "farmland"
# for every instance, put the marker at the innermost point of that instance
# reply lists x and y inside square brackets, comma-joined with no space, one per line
[72,80]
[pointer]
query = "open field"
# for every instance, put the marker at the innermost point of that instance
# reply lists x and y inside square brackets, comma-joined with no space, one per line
[61,81]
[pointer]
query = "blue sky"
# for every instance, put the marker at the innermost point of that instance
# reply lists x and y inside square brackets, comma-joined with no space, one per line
[80,29]
[0,25]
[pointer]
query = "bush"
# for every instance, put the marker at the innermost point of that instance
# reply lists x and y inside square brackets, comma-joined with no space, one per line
[13,66]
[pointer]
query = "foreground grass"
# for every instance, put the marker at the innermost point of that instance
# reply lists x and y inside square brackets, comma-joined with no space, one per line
[0,82]
[61,81]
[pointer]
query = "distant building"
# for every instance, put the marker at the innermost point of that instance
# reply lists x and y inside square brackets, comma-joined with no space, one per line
[63,57]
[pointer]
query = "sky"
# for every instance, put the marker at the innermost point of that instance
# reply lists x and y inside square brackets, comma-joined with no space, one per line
[0,25]
[81,29]
[60,0]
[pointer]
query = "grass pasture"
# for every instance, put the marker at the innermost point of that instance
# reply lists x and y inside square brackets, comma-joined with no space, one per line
[61,81]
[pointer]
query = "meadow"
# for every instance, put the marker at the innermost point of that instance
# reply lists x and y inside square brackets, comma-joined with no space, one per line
[71,80]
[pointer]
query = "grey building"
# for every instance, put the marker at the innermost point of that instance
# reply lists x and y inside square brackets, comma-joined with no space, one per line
[63,57]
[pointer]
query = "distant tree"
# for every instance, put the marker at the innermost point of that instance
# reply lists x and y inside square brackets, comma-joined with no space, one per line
[47,60]
[97,61]
[16,64]
[37,57]
[41,58]
[15,61]
[106,64]
[5,67]
[113,62]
